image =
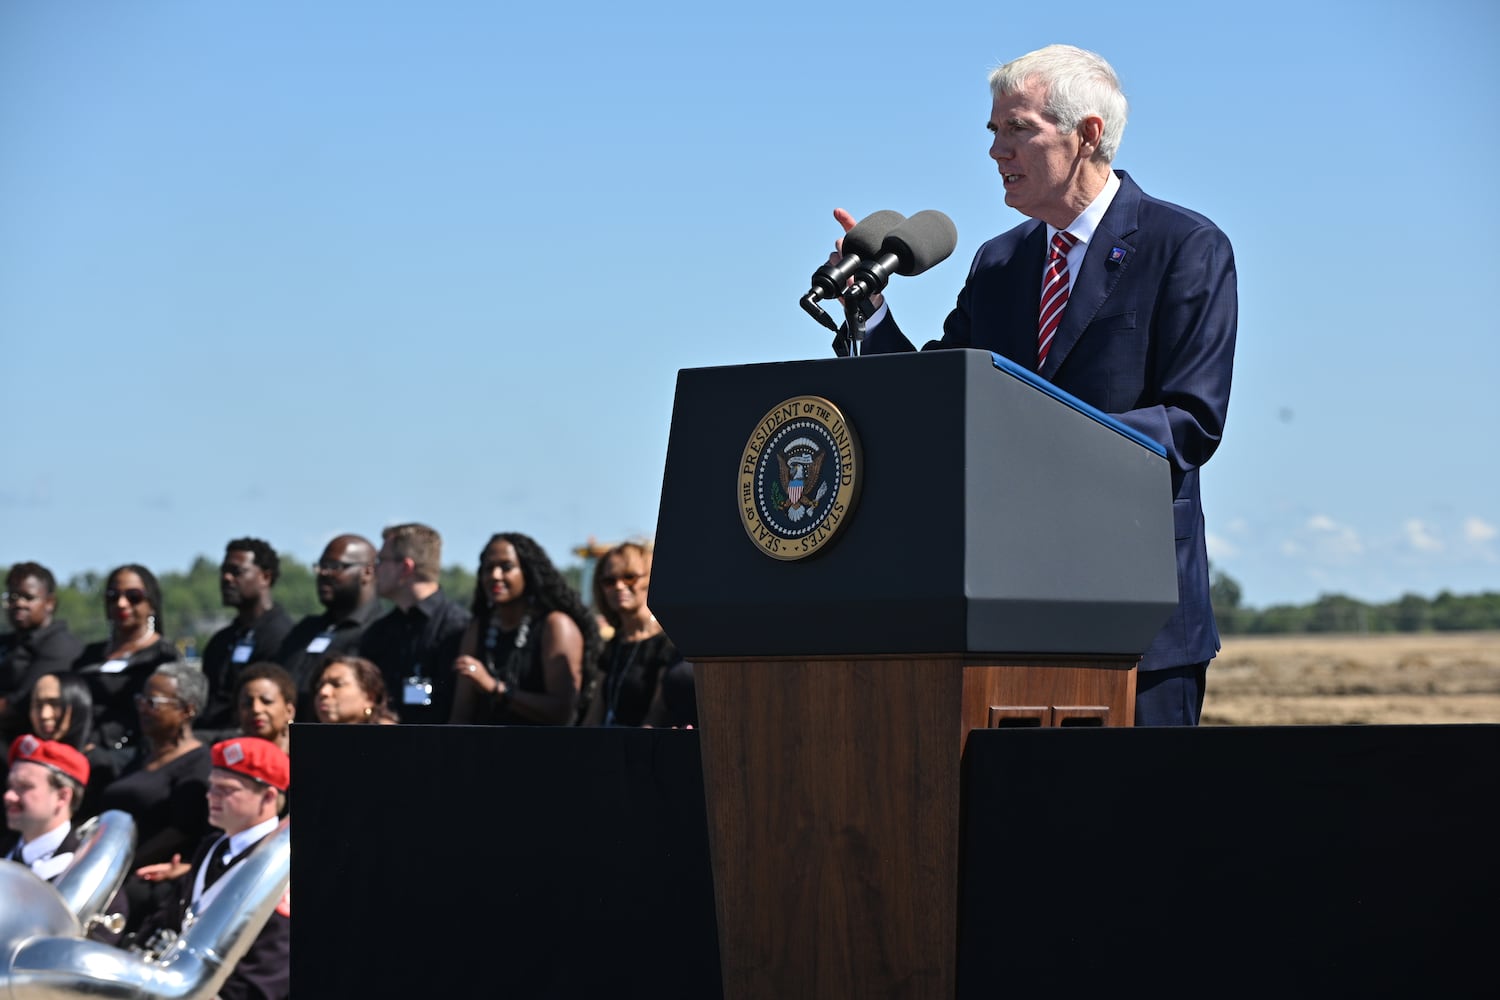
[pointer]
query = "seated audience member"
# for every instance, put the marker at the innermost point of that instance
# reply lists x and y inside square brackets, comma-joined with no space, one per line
[60,708]
[260,626]
[116,669]
[346,589]
[351,690]
[164,785]
[531,646]
[39,645]
[415,644]
[43,791]
[267,704]
[249,778]
[639,653]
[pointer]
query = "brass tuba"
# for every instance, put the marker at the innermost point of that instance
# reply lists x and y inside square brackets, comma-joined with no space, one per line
[47,958]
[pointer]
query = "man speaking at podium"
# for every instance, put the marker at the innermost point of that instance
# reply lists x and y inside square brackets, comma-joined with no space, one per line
[1120,299]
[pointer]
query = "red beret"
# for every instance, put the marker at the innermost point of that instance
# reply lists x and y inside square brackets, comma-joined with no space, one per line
[58,756]
[255,758]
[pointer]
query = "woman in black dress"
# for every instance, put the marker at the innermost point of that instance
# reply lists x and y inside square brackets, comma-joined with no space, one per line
[116,669]
[639,654]
[531,647]
[165,786]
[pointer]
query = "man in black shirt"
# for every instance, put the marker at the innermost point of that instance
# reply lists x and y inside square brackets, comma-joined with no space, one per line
[346,589]
[415,645]
[260,626]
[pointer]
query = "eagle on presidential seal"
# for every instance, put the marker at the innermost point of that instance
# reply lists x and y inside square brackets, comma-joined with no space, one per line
[801,464]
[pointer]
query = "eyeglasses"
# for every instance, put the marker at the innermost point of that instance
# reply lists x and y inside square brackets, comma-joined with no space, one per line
[218,790]
[235,569]
[335,566]
[156,701]
[12,597]
[628,579]
[134,595]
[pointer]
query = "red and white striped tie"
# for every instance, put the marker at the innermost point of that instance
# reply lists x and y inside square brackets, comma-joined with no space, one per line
[1054,294]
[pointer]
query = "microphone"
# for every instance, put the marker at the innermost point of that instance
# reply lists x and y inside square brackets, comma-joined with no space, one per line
[922,241]
[861,243]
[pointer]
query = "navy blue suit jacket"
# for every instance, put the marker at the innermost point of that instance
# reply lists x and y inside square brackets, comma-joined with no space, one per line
[1147,336]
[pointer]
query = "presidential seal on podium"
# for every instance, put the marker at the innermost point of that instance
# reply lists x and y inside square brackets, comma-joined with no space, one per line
[799,477]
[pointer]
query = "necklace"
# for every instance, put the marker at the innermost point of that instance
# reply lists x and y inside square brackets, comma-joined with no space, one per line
[492,634]
[614,683]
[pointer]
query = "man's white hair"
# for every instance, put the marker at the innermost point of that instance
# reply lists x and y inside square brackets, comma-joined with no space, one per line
[1079,83]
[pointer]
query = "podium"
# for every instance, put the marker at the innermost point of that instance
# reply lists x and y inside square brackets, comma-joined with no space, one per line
[1002,556]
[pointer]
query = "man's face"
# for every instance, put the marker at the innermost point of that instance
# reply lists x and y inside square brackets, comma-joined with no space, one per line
[32,805]
[390,571]
[1040,166]
[341,574]
[235,803]
[28,604]
[241,582]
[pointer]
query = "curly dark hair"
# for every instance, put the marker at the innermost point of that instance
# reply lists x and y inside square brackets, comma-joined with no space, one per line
[265,556]
[21,570]
[148,584]
[548,591]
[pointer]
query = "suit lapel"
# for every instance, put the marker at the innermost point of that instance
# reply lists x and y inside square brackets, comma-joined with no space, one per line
[1099,275]
[1020,296]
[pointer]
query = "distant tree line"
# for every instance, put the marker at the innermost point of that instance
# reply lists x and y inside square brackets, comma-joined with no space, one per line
[191,604]
[193,611]
[1447,612]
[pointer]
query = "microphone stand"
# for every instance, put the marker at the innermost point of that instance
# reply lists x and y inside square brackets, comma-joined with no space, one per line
[854,323]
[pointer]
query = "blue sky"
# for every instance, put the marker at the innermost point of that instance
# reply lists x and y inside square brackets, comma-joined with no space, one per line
[292,269]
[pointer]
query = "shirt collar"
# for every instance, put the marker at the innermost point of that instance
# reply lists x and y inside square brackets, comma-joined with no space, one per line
[246,839]
[46,845]
[1088,220]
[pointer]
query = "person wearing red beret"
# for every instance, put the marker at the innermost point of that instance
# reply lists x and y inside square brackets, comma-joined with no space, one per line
[246,789]
[43,790]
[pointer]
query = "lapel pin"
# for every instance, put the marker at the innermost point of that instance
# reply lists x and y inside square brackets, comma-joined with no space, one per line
[1117,255]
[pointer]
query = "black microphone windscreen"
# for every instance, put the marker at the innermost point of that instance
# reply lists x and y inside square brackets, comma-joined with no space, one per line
[865,238]
[922,241]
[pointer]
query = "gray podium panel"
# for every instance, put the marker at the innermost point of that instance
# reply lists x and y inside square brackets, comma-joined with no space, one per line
[992,517]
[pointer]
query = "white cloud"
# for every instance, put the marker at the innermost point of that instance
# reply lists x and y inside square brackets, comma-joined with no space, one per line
[1332,538]
[1478,531]
[1238,526]
[1420,537]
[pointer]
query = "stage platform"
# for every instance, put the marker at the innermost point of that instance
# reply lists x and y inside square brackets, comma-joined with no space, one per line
[534,862]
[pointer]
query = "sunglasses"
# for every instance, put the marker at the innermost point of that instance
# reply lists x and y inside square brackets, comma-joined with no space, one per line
[628,579]
[156,701]
[134,595]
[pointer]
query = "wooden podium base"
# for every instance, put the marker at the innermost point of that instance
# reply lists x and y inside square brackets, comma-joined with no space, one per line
[833,794]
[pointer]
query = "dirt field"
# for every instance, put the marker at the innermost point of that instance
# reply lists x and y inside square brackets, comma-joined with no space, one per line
[1328,680]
